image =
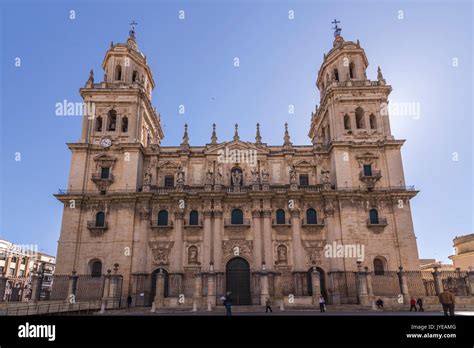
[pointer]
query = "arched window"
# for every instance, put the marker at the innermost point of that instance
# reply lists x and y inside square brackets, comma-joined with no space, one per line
[352,70]
[280,217]
[311,218]
[378,266]
[163,218]
[347,122]
[373,122]
[98,124]
[336,74]
[118,73]
[359,112]
[374,216]
[96,268]
[194,218]
[124,124]
[237,217]
[134,76]
[112,120]
[100,219]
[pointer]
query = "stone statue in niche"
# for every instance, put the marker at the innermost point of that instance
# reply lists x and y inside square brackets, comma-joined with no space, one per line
[325,177]
[209,177]
[282,254]
[236,178]
[254,172]
[218,179]
[180,179]
[293,176]
[193,255]
[265,175]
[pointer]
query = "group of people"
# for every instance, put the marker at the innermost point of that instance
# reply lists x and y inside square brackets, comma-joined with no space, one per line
[446,298]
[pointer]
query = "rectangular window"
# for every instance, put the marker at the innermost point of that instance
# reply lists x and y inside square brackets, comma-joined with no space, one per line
[304,180]
[12,271]
[104,172]
[169,181]
[367,170]
[22,273]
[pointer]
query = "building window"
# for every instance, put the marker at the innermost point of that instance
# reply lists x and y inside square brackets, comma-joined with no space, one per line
[112,121]
[359,113]
[104,172]
[100,219]
[304,180]
[352,70]
[96,268]
[13,260]
[23,260]
[374,216]
[98,124]
[124,124]
[1,270]
[22,273]
[163,218]
[373,122]
[134,76]
[11,272]
[336,74]
[194,218]
[169,181]
[280,217]
[378,266]
[237,217]
[118,73]
[347,122]
[311,218]
[367,170]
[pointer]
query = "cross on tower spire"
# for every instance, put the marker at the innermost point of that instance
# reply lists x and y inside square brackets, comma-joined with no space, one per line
[337,30]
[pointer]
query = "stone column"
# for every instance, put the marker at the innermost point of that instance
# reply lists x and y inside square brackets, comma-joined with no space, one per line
[362,288]
[3,286]
[72,286]
[279,290]
[470,278]
[177,250]
[267,239]
[316,285]
[206,246]
[370,289]
[105,291]
[298,252]
[257,241]
[438,282]
[403,285]
[36,283]
[197,296]
[211,289]
[218,231]
[264,287]
[160,291]
[336,296]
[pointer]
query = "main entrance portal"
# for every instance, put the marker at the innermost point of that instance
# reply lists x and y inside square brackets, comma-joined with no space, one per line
[238,281]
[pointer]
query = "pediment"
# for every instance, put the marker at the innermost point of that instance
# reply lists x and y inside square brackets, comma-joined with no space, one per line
[168,164]
[218,149]
[104,160]
[304,163]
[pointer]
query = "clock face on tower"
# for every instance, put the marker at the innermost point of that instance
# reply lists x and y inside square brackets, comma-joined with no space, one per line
[105,142]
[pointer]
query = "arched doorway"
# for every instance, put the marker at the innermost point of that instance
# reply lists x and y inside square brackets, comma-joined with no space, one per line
[153,284]
[237,281]
[322,282]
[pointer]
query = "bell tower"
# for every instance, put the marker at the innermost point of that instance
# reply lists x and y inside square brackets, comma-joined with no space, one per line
[119,108]
[352,107]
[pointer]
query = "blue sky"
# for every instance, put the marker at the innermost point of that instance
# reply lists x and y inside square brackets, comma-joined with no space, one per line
[192,61]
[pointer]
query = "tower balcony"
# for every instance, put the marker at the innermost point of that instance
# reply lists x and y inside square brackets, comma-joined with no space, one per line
[370,178]
[380,222]
[154,224]
[97,230]
[318,223]
[102,182]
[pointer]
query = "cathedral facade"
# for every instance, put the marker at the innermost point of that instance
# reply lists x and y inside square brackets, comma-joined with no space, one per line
[186,224]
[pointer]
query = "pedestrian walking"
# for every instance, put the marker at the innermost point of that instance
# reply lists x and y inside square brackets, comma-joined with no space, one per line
[447,300]
[322,304]
[268,305]
[419,302]
[413,305]
[228,303]
[129,301]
